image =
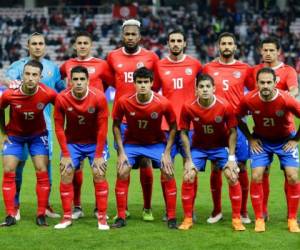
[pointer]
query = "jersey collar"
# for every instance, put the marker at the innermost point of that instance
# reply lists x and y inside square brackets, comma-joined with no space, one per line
[274,97]
[84,60]
[136,53]
[37,89]
[233,62]
[212,104]
[278,66]
[179,61]
[80,99]
[145,103]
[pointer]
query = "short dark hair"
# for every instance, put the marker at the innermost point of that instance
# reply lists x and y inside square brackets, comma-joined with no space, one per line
[83,33]
[204,77]
[80,69]
[143,72]
[266,70]
[177,32]
[272,40]
[34,63]
[226,34]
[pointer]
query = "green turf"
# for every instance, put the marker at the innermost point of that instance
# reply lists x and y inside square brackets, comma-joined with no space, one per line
[145,235]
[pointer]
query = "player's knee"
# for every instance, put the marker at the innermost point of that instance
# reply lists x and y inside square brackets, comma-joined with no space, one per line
[256,176]
[98,177]
[145,162]
[123,174]
[66,179]
[189,177]
[292,177]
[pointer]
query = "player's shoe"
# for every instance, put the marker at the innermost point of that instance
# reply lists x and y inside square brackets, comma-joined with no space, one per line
[293,226]
[41,221]
[238,225]
[172,224]
[119,222]
[18,214]
[147,215]
[165,217]
[186,224]
[214,219]
[245,218]
[63,224]
[51,214]
[102,224]
[266,216]
[127,214]
[96,214]
[260,225]
[77,213]
[9,221]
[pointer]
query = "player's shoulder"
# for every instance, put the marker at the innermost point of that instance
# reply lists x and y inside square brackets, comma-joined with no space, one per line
[64,93]
[115,52]
[19,63]
[251,94]
[287,68]
[192,59]
[96,60]
[212,64]
[96,92]
[222,101]
[46,89]
[48,63]
[160,98]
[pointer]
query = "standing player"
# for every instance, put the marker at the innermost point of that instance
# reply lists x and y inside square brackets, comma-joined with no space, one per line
[124,61]
[230,80]
[77,109]
[51,78]
[26,127]
[177,75]
[214,130]
[100,76]
[144,137]
[274,133]
[286,79]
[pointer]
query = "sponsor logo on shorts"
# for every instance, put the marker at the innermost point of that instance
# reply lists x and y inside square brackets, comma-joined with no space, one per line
[140,65]
[218,119]
[91,110]
[237,74]
[188,71]
[40,105]
[280,113]
[154,115]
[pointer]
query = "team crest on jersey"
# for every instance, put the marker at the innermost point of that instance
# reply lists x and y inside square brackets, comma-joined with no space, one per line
[168,72]
[216,73]
[154,115]
[188,71]
[70,109]
[132,113]
[40,105]
[91,110]
[91,70]
[140,65]
[196,119]
[277,79]
[218,119]
[237,74]
[280,113]
[120,65]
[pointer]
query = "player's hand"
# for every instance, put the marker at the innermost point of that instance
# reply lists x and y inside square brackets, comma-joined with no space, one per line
[231,171]
[99,166]
[167,164]
[189,171]
[256,146]
[4,139]
[66,166]
[122,160]
[290,146]
[13,84]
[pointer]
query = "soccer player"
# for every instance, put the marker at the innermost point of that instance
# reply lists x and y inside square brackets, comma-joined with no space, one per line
[50,77]
[230,76]
[124,61]
[287,80]
[214,135]
[144,111]
[26,126]
[274,133]
[176,78]
[81,117]
[100,76]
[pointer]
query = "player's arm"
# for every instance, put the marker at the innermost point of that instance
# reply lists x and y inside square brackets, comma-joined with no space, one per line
[107,76]
[59,83]
[12,77]
[294,91]
[122,158]
[292,82]
[3,105]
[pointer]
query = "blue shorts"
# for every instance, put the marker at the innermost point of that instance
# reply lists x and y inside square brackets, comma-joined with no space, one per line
[152,151]
[177,147]
[79,152]
[264,159]
[200,156]
[242,150]
[37,145]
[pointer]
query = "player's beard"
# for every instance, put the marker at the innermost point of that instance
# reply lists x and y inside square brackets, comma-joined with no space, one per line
[131,50]
[227,55]
[176,53]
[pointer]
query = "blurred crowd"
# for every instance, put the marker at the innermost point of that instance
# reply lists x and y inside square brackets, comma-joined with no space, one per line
[249,24]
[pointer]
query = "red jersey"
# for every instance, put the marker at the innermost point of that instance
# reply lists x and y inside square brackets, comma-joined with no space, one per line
[273,120]
[100,74]
[81,121]
[230,80]
[211,124]
[177,81]
[26,116]
[144,119]
[123,65]
[286,76]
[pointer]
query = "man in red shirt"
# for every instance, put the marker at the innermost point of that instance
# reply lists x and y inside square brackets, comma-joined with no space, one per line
[214,135]
[82,108]
[286,79]
[230,76]
[274,133]
[143,137]
[100,76]
[177,74]
[26,126]
[123,62]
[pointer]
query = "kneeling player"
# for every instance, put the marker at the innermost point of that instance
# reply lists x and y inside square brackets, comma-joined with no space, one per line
[84,111]
[26,127]
[214,125]
[274,133]
[143,137]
